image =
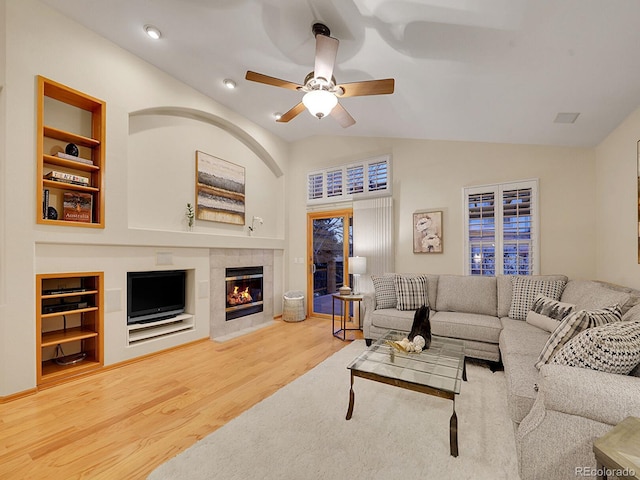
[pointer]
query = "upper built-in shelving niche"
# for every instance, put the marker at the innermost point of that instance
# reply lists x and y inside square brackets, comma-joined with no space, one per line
[70,188]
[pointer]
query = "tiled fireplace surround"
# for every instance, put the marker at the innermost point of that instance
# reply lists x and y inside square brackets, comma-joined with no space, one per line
[220,260]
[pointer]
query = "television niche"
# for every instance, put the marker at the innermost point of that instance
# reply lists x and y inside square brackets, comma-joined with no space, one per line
[155,295]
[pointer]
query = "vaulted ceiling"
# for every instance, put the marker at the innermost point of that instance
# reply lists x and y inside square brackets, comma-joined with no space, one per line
[474,70]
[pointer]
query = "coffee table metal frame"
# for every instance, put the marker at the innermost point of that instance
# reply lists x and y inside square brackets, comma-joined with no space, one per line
[438,371]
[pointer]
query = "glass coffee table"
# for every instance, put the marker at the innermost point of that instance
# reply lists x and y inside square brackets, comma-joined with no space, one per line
[437,371]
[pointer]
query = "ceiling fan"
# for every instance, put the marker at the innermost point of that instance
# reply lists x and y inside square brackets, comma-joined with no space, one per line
[321,91]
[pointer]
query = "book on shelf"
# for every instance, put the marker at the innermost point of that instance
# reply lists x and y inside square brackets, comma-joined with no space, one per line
[77,207]
[67,177]
[45,202]
[75,159]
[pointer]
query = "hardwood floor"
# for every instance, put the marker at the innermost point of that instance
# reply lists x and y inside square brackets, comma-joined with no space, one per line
[123,422]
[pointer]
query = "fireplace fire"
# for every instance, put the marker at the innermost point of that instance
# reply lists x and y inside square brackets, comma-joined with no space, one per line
[244,291]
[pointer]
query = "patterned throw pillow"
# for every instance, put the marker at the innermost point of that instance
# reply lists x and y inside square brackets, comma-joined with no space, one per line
[547,313]
[613,348]
[385,291]
[572,325]
[525,291]
[411,292]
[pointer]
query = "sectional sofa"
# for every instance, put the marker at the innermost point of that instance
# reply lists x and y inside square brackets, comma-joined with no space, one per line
[557,410]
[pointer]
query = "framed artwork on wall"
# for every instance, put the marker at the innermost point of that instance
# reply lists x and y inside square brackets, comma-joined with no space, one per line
[220,186]
[427,232]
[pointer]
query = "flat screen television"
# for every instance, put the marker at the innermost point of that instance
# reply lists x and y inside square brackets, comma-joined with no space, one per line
[153,296]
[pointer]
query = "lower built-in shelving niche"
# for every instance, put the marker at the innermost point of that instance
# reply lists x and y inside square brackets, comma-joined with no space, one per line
[142,332]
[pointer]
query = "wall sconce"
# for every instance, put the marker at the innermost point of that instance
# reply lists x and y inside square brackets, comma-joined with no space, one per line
[252,227]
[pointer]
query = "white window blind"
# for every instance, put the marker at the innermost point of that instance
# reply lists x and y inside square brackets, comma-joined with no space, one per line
[334,183]
[314,187]
[355,179]
[501,229]
[368,178]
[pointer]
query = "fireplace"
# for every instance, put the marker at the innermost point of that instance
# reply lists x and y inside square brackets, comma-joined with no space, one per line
[243,292]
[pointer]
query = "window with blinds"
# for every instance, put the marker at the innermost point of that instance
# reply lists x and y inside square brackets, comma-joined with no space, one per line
[370,177]
[501,229]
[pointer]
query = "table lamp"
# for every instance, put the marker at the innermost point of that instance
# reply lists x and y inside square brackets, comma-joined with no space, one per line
[357,266]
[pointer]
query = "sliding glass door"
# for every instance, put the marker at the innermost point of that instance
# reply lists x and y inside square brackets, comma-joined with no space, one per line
[329,246]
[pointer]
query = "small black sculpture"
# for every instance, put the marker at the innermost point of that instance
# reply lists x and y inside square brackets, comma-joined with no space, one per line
[52,213]
[71,149]
[421,326]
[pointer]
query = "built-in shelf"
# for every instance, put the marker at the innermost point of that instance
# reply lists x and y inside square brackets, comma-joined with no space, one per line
[60,202]
[69,321]
[140,332]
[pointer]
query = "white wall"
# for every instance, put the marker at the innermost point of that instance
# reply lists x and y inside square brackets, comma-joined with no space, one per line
[39,41]
[431,175]
[617,204]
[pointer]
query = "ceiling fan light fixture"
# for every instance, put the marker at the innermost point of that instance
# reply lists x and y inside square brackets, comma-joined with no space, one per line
[319,102]
[153,32]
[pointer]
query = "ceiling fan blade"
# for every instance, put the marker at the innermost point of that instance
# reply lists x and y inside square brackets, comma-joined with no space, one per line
[342,116]
[276,82]
[291,114]
[326,51]
[369,87]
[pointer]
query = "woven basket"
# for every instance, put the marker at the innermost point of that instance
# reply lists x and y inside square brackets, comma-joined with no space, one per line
[293,309]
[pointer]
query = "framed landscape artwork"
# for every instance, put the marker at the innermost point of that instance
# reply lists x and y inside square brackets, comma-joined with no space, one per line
[427,232]
[219,190]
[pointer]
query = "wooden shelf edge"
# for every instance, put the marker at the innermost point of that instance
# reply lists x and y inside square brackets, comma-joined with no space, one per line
[69,312]
[63,162]
[69,186]
[67,223]
[50,339]
[52,372]
[70,294]
[58,134]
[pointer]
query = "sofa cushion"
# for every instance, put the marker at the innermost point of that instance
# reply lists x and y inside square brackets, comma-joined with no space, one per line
[385,290]
[521,338]
[466,326]
[467,294]
[525,291]
[505,289]
[575,323]
[411,291]
[392,319]
[590,295]
[547,313]
[612,348]
[522,379]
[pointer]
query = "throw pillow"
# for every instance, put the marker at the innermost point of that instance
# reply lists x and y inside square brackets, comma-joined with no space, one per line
[573,324]
[385,291]
[411,292]
[546,313]
[613,348]
[525,291]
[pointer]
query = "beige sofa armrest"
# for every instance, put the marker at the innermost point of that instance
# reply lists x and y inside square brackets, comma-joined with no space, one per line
[604,397]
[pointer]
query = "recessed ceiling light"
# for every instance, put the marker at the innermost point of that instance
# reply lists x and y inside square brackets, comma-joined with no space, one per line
[566,117]
[152,31]
[230,84]
[277,115]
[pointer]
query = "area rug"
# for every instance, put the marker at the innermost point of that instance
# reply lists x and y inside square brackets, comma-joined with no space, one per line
[300,432]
